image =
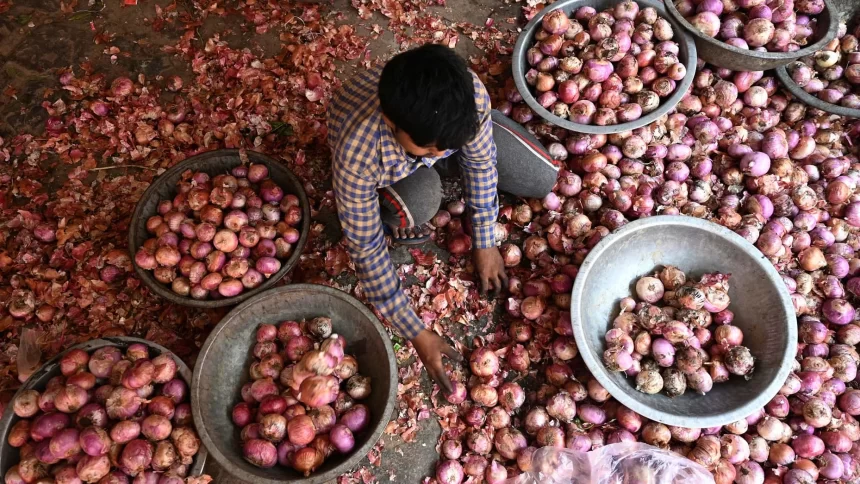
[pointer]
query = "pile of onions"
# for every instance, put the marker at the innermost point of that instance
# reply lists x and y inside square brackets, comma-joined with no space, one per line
[678,335]
[604,68]
[302,403]
[760,25]
[109,418]
[741,153]
[833,73]
[221,236]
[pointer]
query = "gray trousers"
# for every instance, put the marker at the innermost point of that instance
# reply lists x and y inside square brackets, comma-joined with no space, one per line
[524,166]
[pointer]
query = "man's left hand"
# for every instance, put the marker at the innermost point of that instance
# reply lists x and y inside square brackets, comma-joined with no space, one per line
[491,269]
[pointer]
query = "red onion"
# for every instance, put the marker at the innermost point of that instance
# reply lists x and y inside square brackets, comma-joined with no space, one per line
[449,472]
[807,446]
[93,468]
[484,362]
[838,311]
[260,453]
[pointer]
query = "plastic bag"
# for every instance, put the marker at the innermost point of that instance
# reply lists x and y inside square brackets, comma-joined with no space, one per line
[625,463]
[29,354]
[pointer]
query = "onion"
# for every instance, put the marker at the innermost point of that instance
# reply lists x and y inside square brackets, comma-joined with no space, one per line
[356,418]
[26,403]
[125,431]
[260,453]
[561,406]
[136,457]
[93,468]
[509,442]
[849,402]
[358,387]
[449,472]
[511,396]
[484,362]
[94,441]
[65,444]
[807,446]
[555,22]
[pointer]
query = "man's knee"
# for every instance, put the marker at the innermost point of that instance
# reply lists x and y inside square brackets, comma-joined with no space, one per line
[544,181]
[525,167]
[429,196]
[417,197]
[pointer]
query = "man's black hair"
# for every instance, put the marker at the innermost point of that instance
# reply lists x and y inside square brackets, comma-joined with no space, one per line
[429,93]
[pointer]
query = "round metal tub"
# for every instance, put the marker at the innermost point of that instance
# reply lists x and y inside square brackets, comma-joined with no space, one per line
[719,53]
[686,54]
[39,380]
[848,12]
[214,163]
[759,299]
[222,369]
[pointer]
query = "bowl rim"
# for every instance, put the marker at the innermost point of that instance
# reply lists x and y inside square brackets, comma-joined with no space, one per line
[231,319]
[809,99]
[832,29]
[89,346]
[287,266]
[621,394]
[525,38]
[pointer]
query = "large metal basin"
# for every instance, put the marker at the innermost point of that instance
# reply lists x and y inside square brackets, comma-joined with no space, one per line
[849,11]
[715,51]
[39,380]
[687,55]
[759,299]
[214,163]
[222,369]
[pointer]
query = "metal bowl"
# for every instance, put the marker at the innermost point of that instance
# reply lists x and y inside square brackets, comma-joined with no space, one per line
[214,163]
[39,380]
[848,13]
[759,299]
[848,10]
[719,53]
[222,369]
[810,100]
[686,54]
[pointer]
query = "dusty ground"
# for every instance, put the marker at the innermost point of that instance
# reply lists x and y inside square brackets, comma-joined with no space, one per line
[37,38]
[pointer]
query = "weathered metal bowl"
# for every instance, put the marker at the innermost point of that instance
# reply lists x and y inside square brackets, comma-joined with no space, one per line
[810,99]
[719,53]
[214,163]
[222,369]
[759,300]
[39,380]
[849,12]
[520,65]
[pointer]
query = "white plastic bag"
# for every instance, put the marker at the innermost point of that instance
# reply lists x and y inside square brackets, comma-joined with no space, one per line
[625,463]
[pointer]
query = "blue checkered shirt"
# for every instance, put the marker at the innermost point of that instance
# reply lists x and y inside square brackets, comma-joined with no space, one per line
[367,157]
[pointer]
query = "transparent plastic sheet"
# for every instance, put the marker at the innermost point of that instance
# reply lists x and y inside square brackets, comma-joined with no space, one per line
[625,463]
[29,354]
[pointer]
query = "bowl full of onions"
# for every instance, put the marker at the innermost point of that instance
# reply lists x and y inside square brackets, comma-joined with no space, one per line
[108,410]
[218,228]
[711,290]
[296,384]
[601,67]
[756,35]
[829,79]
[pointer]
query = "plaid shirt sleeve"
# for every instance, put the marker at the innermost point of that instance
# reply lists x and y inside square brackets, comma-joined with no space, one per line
[358,210]
[478,163]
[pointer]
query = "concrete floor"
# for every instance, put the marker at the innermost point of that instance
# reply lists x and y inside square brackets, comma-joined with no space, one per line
[37,38]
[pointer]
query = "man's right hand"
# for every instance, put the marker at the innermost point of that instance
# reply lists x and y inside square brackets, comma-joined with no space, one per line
[430,348]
